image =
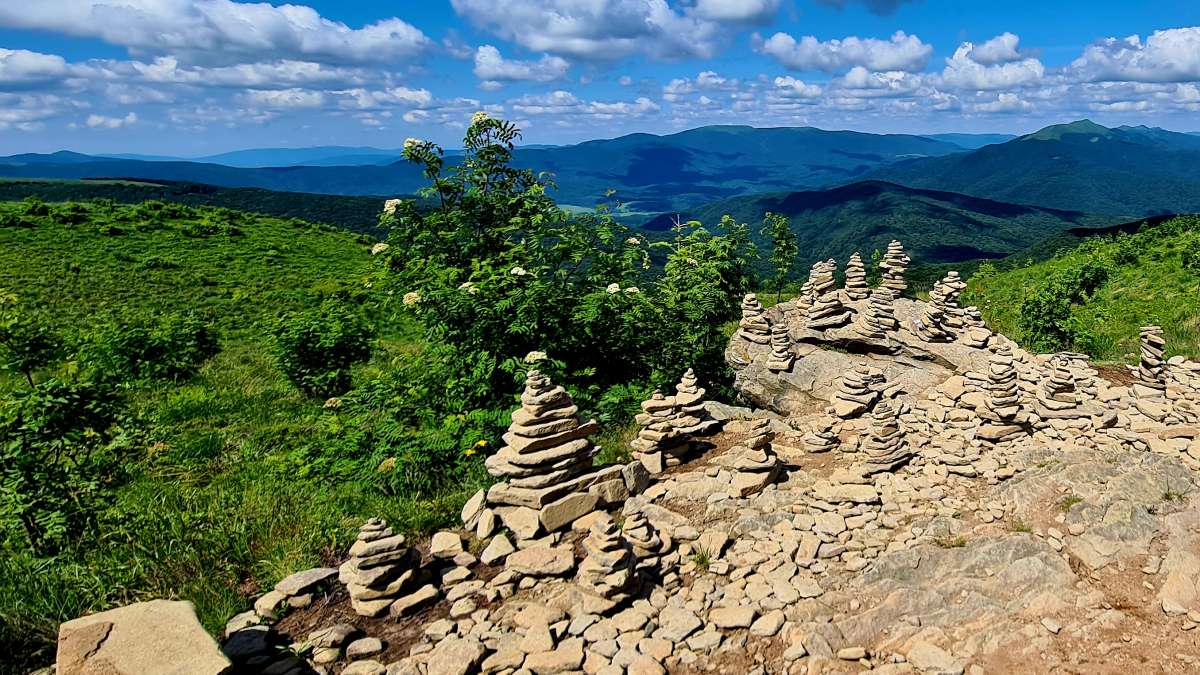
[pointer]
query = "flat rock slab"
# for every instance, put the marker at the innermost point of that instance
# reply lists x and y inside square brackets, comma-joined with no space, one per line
[541,561]
[160,636]
[304,582]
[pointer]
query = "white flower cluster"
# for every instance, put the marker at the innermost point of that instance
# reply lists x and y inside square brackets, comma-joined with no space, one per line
[615,288]
[633,241]
[534,357]
[410,143]
[469,287]
[390,206]
[478,117]
[518,271]
[381,247]
[412,298]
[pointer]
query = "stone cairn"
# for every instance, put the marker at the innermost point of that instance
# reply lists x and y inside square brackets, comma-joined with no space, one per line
[854,395]
[1151,379]
[951,287]
[827,310]
[975,333]
[856,278]
[754,325]
[781,358]
[895,264]
[694,419]
[879,317]
[1003,403]
[753,461]
[821,436]
[1058,387]
[930,326]
[941,317]
[546,462]
[649,544]
[607,569]
[382,573]
[660,439]
[885,447]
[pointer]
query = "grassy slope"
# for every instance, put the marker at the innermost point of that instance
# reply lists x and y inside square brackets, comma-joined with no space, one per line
[211,515]
[1156,289]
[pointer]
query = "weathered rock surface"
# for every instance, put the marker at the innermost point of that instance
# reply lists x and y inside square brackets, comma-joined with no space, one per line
[159,636]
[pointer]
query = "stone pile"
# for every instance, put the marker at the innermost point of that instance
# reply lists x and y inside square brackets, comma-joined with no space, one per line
[546,463]
[948,291]
[607,569]
[1151,379]
[885,446]
[648,543]
[382,574]
[930,326]
[822,436]
[894,265]
[856,278]
[827,310]
[1058,387]
[752,461]
[975,333]
[660,440]
[1003,403]
[754,326]
[854,395]
[781,358]
[879,317]
[693,419]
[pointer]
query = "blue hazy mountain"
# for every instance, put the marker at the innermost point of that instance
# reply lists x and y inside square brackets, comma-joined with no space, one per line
[971,141]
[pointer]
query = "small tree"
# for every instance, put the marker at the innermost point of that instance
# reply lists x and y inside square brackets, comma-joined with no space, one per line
[26,345]
[784,249]
[316,349]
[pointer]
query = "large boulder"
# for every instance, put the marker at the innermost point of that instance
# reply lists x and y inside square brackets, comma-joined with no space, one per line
[160,636]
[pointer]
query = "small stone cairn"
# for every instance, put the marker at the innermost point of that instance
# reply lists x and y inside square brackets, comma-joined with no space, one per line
[822,436]
[1151,379]
[754,325]
[941,317]
[975,333]
[930,326]
[952,287]
[827,310]
[854,395]
[660,439]
[608,568]
[895,264]
[753,461]
[649,544]
[694,419]
[1058,388]
[382,573]
[781,358]
[856,278]
[879,317]
[885,446]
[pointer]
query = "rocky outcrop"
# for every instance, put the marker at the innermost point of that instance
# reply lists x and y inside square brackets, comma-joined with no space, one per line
[159,636]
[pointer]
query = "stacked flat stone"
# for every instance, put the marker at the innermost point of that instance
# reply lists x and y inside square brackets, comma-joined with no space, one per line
[1151,379]
[827,310]
[821,436]
[381,570]
[952,287]
[879,316]
[975,332]
[853,395]
[885,446]
[895,264]
[753,461]
[649,544]
[661,438]
[781,358]
[1058,387]
[754,325]
[802,305]
[856,278]
[693,419]
[608,568]
[930,326]
[1003,399]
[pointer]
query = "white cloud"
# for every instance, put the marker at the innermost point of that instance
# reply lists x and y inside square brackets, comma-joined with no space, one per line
[1166,56]
[562,102]
[756,11]
[596,29]
[707,80]
[791,88]
[862,83]
[491,66]
[102,122]
[285,98]
[381,98]
[995,64]
[23,68]
[900,52]
[220,30]
[1006,102]
[279,74]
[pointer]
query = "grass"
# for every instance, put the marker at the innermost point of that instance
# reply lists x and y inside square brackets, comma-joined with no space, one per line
[217,507]
[1018,525]
[951,542]
[1068,501]
[1154,287]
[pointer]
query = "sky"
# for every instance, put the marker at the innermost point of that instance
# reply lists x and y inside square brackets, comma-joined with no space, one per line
[195,77]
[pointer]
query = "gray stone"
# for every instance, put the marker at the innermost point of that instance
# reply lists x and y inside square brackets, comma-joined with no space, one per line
[145,637]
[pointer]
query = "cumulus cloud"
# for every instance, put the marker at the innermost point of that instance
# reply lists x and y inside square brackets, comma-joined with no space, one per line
[900,52]
[598,29]
[995,64]
[20,67]
[285,98]
[220,30]
[280,74]
[791,88]
[491,66]
[102,122]
[562,102]
[1166,56]
[754,11]
[862,83]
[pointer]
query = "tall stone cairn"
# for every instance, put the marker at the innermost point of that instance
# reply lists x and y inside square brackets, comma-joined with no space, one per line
[853,395]
[754,325]
[693,419]
[821,436]
[879,317]
[856,278]
[894,265]
[827,310]
[381,569]
[546,448]
[660,437]
[952,287]
[975,332]
[781,358]
[1151,379]
[753,461]
[885,446]
[608,567]
[942,317]
[1003,398]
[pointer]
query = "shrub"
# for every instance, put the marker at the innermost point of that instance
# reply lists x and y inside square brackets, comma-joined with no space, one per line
[1190,255]
[1124,250]
[1045,317]
[26,344]
[35,207]
[171,347]
[316,349]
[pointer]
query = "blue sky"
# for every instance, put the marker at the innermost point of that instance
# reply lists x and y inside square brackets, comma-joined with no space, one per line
[190,77]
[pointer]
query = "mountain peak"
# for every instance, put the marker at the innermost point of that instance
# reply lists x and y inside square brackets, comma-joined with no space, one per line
[1055,132]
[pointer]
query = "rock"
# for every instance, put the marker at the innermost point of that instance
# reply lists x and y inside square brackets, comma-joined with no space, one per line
[768,624]
[568,656]
[499,549]
[364,647]
[732,617]
[644,665]
[557,515]
[445,545]
[332,636]
[270,605]
[364,668]
[541,561]
[933,660]
[159,636]
[636,477]
[676,623]
[456,656]
[247,643]
[304,582]
[473,508]
[1051,625]
[851,653]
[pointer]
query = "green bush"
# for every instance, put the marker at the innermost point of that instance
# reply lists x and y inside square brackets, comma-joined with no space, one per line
[1045,318]
[27,345]
[1190,255]
[316,349]
[170,347]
